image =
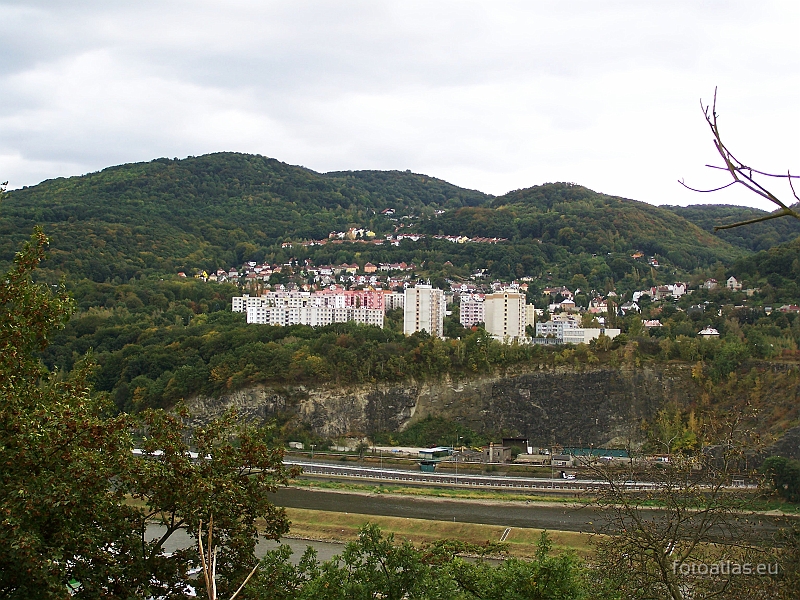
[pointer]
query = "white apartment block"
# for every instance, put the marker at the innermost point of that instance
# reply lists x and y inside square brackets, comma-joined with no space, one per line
[393,300]
[530,315]
[242,303]
[505,315]
[314,316]
[471,310]
[568,332]
[424,309]
[554,328]
[581,335]
[304,308]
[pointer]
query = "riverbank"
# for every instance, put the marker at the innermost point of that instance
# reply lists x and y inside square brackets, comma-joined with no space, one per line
[339,527]
[337,515]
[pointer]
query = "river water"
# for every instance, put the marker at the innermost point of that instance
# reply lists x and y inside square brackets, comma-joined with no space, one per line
[181,539]
[564,518]
[569,517]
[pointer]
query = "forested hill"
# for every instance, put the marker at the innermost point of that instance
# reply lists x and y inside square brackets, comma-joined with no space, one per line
[205,212]
[220,209]
[585,221]
[758,236]
[401,189]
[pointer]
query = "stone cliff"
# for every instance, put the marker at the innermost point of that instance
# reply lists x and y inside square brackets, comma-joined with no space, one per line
[599,406]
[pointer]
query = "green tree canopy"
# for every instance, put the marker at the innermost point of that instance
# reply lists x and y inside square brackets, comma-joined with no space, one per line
[75,502]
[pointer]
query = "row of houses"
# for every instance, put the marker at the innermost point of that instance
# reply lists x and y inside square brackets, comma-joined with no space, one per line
[253,271]
[598,304]
[360,235]
[462,239]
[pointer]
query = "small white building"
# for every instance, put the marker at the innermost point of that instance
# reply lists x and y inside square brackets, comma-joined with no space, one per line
[584,335]
[708,332]
[732,284]
[629,307]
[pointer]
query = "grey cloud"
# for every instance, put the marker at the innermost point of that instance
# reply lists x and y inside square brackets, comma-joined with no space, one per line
[501,94]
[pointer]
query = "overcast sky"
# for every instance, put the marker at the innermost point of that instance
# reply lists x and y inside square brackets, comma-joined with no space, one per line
[488,95]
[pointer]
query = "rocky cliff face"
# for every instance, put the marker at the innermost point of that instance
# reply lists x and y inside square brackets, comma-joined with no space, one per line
[597,406]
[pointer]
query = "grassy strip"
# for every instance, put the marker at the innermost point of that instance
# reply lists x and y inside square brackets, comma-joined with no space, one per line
[338,526]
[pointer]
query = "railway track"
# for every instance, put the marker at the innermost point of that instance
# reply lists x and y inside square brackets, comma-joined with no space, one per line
[468,481]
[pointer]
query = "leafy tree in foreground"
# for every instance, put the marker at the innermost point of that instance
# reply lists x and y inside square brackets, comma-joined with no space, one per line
[784,475]
[58,453]
[223,470]
[75,502]
[375,567]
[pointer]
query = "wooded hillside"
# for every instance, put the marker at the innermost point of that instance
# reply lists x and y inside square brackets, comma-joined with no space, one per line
[218,210]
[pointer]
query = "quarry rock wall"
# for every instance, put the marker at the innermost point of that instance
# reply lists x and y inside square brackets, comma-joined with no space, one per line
[598,406]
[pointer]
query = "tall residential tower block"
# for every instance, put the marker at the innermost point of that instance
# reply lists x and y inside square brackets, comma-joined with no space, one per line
[505,315]
[424,308]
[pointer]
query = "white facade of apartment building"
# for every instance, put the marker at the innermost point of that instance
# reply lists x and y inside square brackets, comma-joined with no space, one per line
[424,309]
[393,300]
[303,308]
[530,315]
[505,315]
[314,316]
[554,328]
[584,335]
[568,332]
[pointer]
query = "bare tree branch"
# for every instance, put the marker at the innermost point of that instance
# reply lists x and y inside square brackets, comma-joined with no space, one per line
[742,174]
[706,191]
[209,562]
[774,215]
[759,172]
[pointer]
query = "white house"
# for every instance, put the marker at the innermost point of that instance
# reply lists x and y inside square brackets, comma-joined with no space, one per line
[630,307]
[708,333]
